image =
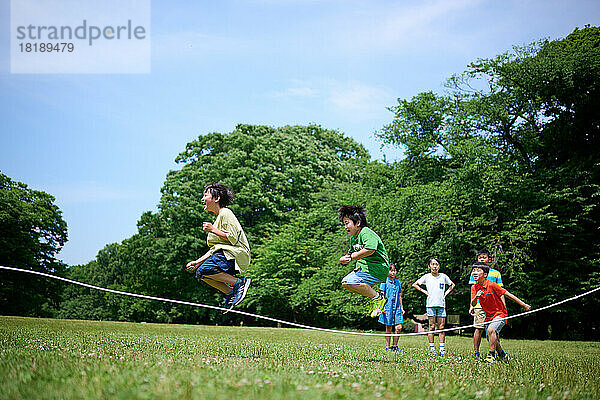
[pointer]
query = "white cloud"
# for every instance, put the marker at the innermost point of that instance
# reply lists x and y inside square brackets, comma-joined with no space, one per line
[358,98]
[352,99]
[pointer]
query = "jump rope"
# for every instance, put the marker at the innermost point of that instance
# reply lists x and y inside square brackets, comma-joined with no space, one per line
[294,324]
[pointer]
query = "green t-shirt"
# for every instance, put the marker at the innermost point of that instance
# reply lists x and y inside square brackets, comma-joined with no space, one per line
[378,263]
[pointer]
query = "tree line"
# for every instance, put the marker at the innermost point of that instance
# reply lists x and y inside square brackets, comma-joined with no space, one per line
[506,158]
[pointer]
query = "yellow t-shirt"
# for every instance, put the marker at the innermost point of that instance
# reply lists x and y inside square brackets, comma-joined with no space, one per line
[237,247]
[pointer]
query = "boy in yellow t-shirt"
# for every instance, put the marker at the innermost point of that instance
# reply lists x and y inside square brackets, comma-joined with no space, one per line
[229,251]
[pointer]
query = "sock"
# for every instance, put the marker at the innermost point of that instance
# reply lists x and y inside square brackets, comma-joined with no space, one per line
[492,353]
[431,346]
[442,347]
[378,297]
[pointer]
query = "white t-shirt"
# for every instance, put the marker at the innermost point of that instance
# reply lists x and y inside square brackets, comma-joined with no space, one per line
[436,286]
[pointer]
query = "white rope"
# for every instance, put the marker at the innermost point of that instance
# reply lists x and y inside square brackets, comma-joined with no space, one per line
[143,296]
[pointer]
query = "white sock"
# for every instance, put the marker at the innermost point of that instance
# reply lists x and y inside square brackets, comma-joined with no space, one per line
[432,346]
[442,347]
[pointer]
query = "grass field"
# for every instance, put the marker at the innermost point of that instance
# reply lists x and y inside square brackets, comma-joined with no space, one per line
[62,359]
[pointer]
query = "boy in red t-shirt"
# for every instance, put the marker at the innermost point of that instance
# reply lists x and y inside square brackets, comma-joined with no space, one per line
[491,297]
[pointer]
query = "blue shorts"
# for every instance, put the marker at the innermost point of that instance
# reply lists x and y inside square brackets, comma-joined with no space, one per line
[358,277]
[215,264]
[496,324]
[436,312]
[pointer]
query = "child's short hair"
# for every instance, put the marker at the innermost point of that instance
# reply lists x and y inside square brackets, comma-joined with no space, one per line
[224,193]
[354,214]
[484,251]
[483,266]
[433,258]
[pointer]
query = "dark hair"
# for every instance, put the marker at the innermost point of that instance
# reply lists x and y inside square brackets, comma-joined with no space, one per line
[222,192]
[354,214]
[484,267]
[484,251]
[433,258]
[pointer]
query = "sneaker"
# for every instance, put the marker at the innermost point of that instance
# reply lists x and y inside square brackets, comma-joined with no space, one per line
[395,349]
[371,307]
[490,359]
[391,348]
[442,353]
[228,303]
[504,357]
[240,291]
[475,355]
[378,304]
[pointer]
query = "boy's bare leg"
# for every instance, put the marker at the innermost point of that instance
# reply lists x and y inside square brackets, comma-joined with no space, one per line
[492,338]
[388,329]
[395,338]
[498,347]
[219,285]
[361,288]
[477,338]
[431,328]
[223,277]
[441,321]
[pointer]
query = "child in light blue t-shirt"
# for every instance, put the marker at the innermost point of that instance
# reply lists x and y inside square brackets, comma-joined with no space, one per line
[392,313]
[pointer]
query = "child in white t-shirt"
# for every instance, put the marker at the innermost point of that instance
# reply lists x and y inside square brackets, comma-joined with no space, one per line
[436,292]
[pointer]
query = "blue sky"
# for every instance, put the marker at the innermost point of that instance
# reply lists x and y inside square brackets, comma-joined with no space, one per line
[102,144]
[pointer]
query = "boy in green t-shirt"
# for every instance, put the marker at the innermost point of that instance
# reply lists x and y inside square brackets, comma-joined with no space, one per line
[372,262]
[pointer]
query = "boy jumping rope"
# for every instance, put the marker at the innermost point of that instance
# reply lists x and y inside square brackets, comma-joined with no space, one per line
[491,297]
[372,262]
[229,251]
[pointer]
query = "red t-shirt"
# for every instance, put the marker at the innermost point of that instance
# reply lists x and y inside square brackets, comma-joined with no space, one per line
[490,299]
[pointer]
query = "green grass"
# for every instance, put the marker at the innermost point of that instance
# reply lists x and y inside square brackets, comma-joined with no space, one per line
[63,359]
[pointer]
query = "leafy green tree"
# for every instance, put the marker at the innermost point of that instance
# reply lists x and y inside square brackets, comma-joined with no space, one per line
[506,159]
[270,169]
[510,156]
[32,232]
[274,172]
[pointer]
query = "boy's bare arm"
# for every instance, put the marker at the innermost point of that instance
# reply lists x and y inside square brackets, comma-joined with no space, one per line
[210,228]
[416,286]
[357,255]
[192,265]
[449,289]
[474,299]
[345,259]
[520,302]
